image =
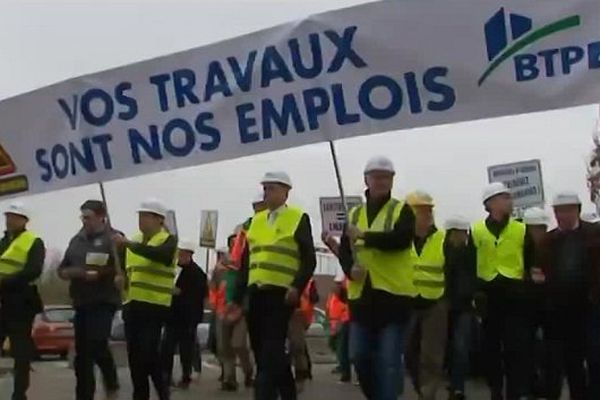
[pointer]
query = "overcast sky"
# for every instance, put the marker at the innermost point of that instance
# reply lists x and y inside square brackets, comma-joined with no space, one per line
[46,42]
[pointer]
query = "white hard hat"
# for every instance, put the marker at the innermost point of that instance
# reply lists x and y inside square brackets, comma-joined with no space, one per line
[258,198]
[18,208]
[566,198]
[277,177]
[153,206]
[591,217]
[457,222]
[188,245]
[535,216]
[494,189]
[380,163]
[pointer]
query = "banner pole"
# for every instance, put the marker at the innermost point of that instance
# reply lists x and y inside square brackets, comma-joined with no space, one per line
[113,247]
[338,177]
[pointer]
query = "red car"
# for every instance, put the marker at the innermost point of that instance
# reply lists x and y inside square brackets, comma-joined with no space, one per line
[53,331]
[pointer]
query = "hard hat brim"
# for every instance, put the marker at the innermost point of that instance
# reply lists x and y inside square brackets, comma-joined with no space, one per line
[23,215]
[145,210]
[280,182]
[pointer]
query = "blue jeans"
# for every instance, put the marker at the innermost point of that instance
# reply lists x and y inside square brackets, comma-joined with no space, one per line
[377,357]
[462,325]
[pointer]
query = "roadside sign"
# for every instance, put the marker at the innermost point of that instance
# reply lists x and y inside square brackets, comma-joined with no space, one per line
[523,179]
[333,216]
[171,222]
[208,228]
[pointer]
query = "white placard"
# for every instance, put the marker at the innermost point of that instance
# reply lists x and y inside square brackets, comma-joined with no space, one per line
[333,216]
[209,221]
[523,179]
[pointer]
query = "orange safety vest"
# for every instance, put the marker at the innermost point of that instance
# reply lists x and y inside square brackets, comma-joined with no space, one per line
[306,307]
[338,312]
[217,299]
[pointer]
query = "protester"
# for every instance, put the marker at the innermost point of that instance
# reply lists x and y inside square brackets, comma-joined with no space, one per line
[505,255]
[91,264]
[461,284]
[570,259]
[300,321]
[187,311]
[536,221]
[277,265]
[381,288]
[22,255]
[338,315]
[232,336]
[150,264]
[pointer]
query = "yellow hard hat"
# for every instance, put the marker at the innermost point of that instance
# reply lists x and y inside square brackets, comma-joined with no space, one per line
[419,198]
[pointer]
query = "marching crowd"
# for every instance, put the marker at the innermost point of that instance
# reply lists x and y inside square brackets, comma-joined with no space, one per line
[414,297]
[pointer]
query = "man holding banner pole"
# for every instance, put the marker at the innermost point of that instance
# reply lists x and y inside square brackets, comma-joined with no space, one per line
[380,289]
[150,263]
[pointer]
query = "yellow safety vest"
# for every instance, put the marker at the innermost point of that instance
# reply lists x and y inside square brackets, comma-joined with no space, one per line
[150,281]
[274,253]
[429,267]
[14,258]
[390,271]
[503,255]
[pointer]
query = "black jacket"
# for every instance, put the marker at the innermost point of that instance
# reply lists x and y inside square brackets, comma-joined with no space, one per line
[188,306]
[308,261]
[17,296]
[103,290]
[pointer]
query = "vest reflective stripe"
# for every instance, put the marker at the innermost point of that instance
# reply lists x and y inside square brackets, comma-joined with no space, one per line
[14,258]
[429,276]
[150,281]
[503,255]
[278,249]
[390,271]
[274,253]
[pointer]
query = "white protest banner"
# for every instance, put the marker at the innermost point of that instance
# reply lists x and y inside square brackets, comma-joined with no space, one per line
[333,216]
[209,220]
[377,67]
[523,179]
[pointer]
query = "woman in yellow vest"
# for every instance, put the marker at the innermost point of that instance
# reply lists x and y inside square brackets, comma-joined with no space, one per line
[505,255]
[150,262]
[21,262]
[428,331]
[376,254]
[276,266]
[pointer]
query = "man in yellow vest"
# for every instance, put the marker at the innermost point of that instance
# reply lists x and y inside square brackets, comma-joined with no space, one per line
[150,265]
[277,265]
[21,262]
[428,331]
[376,254]
[505,255]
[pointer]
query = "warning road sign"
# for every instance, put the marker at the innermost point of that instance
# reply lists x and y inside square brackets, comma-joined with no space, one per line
[13,184]
[208,228]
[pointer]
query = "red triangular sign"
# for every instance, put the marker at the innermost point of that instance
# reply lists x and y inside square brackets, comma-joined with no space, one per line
[7,166]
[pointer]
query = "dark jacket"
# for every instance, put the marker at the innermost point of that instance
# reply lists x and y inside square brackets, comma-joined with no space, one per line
[17,296]
[103,290]
[188,306]
[586,238]
[308,261]
[461,276]
[377,307]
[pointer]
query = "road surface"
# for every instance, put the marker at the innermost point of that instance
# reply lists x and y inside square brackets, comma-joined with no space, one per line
[53,380]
